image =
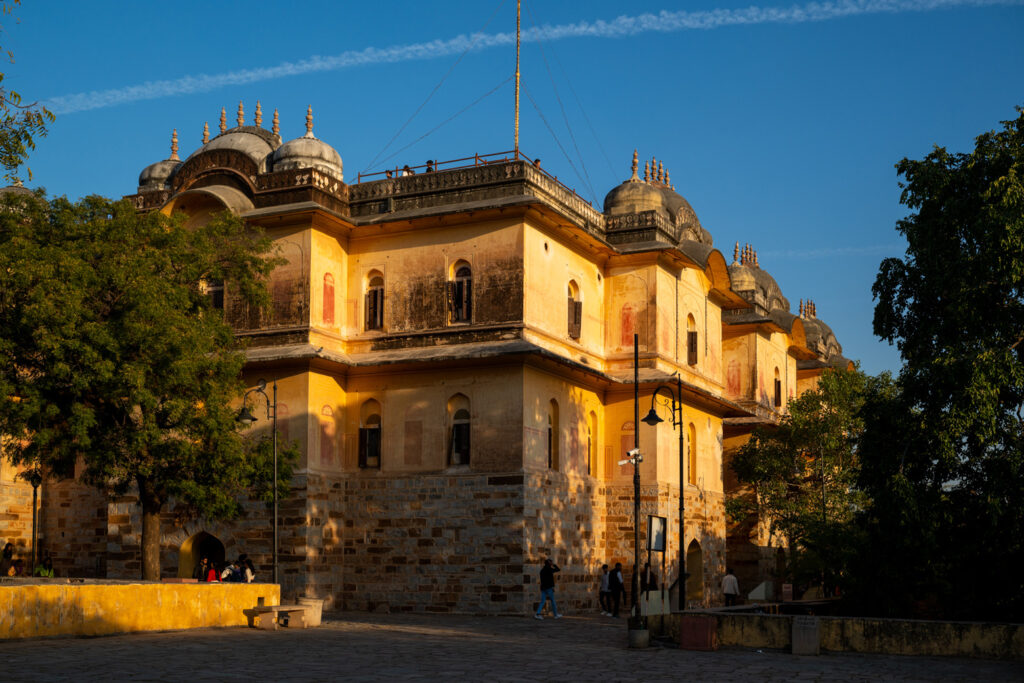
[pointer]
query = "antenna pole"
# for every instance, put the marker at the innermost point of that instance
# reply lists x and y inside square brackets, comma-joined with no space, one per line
[518,17]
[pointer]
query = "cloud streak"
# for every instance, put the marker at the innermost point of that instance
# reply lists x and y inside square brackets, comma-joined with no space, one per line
[620,27]
[811,254]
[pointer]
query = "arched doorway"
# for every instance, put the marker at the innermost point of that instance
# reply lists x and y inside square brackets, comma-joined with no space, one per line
[695,567]
[197,546]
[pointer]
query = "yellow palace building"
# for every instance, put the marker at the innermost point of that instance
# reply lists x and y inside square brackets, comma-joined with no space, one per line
[453,349]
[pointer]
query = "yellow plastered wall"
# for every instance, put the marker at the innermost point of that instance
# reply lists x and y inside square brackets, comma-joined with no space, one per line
[292,407]
[570,430]
[415,425]
[325,433]
[329,286]
[664,446]
[619,437]
[289,281]
[630,308]
[550,264]
[416,263]
[34,610]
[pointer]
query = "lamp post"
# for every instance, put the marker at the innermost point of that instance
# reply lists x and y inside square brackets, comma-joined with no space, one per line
[636,477]
[247,418]
[34,476]
[652,419]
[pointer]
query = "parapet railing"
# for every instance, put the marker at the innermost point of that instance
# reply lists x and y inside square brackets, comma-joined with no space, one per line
[432,166]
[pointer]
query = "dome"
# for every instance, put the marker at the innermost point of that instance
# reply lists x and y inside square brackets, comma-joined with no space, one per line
[684,216]
[16,189]
[755,285]
[820,338]
[154,176]
[243,139]
[634,196]
[307,152]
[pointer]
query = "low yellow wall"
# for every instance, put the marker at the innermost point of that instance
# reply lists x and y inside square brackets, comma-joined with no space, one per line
[37,609]
[858,634]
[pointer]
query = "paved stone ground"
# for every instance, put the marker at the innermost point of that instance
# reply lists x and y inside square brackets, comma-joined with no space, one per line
[426,647]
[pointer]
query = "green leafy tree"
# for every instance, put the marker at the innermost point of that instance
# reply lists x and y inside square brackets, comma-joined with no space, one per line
[112,352]
[954,306]
[20,123]
[802,474]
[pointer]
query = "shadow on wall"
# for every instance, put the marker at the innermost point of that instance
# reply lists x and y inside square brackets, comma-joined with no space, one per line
[33,608]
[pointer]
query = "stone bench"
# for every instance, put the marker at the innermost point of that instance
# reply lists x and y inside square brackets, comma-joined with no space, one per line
[271,617]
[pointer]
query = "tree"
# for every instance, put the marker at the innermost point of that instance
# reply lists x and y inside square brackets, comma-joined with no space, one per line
[112,351]
[20,124]
[803,473]
[954,306]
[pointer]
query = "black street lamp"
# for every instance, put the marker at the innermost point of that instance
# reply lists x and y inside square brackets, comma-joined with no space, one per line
[247,418]
[34,476]
[652,419]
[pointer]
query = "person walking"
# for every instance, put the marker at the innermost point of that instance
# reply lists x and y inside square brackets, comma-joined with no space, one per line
[547,588]
[730,587]
[604,595]
[617,587]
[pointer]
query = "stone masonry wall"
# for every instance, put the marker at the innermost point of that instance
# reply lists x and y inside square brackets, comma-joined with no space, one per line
[434,543]
[73,528]
[564,519]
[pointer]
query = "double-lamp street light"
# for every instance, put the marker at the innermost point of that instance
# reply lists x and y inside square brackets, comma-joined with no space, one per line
[246,417]
[652,419]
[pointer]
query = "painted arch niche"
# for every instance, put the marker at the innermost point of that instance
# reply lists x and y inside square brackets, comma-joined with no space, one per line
[695,569]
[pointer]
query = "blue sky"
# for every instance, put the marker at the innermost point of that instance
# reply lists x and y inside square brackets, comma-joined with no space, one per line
[779,122]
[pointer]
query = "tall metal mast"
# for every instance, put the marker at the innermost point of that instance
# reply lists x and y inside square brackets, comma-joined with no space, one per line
[518,16]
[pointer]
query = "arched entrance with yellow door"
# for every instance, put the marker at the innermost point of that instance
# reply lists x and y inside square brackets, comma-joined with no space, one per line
[198,546]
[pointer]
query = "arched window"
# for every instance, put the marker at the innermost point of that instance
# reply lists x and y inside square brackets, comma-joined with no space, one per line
[575,310]
[369,435]
[591,444]
[458,441]
[778,389]
[692,433]
[460,294]
[215,290]
[328,312]
[691,340]
[553,435]
[327,442]
[374,313]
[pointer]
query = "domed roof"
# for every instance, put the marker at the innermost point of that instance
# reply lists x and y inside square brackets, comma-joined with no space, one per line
[820,337]
[308,152]
[243,139]
[17,188]
[755,285]
[655,193]
[634,196]
[154,176]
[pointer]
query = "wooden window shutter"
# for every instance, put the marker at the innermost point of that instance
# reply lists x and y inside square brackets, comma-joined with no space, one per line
[467,299]
[691,348]
[778,393]
[452,311]
[575,317]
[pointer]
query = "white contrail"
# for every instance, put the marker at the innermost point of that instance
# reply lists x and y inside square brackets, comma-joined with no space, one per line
[662,22]
[809,254]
